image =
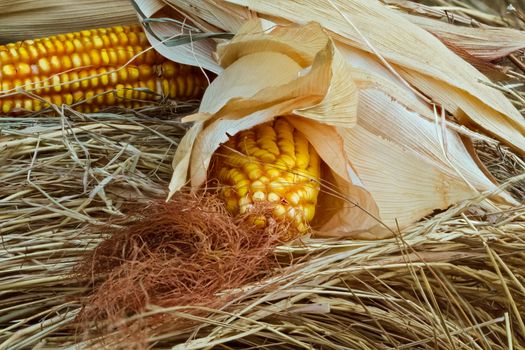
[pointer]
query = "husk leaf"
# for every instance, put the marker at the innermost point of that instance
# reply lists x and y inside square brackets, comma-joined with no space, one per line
[487,43]
[197,53]
[29,19]
[480,40]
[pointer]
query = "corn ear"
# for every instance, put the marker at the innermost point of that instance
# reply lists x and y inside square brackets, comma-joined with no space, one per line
[273,163]
[386,163]
[96,68]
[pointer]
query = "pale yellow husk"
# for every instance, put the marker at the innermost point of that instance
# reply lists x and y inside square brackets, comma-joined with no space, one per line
[487,43]
[390,160]
[29,19]
[413,53]
[480,44]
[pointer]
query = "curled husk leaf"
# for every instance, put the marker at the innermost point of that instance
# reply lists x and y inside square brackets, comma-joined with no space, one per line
[387,162]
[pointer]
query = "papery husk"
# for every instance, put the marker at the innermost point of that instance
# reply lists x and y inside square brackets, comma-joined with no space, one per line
[472,13]
[29,19]
[387,163]
[197,53]
[487,43]
[417,55]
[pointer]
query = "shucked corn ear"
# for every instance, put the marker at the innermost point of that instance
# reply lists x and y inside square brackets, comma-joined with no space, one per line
[271,162]
[99,67]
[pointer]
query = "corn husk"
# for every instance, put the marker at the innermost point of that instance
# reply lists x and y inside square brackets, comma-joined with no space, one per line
[413,54]
[471,12]
[486,43]
[388,161]
[29,19]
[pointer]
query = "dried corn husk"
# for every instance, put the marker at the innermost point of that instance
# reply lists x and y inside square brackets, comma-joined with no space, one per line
[387,162]
[487,43]
[28,19]
[363,26]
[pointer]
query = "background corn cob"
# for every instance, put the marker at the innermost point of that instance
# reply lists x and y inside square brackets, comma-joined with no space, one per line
[99,67]
[272,162]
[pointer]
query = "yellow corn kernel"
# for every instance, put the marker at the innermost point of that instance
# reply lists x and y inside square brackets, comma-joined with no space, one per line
[279,210]
[309,212]
[242,187]
[254,171]
[259,221]
[232,205]
[273,197]
[259,196]
[8,71]
[245,203]
[7,106]
[257,186]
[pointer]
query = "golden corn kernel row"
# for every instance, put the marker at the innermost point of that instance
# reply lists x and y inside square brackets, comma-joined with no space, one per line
[30,51]
[183,82]
[97,66]
[272,162]
[115,57]
[131,95]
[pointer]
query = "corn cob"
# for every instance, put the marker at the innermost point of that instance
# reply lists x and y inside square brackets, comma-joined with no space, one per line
[101,67]
[272,162]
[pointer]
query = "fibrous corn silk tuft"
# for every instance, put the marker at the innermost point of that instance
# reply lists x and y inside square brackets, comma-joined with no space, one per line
[177,253]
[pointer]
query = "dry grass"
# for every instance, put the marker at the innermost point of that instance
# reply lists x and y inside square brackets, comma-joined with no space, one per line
[453,281]
[57,176]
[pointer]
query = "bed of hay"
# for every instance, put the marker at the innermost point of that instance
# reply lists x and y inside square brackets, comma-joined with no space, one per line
[455,280]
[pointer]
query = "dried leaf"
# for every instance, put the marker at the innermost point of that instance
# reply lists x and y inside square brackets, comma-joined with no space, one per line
[196,53]
[29,19]
[487,43]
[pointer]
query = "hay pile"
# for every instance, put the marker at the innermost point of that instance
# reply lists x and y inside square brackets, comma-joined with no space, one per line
[456,280]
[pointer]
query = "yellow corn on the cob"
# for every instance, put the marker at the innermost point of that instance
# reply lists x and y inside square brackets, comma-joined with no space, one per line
[95,66]
[272,162]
